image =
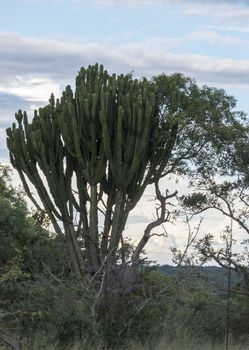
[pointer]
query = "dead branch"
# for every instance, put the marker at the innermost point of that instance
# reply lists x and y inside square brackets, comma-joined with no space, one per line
[162,216]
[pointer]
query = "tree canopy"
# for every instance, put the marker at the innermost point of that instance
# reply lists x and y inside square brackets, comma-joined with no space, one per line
[100,147]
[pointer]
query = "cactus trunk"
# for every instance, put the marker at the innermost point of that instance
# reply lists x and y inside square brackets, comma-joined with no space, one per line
[92,243]
[74,250]
[117,226]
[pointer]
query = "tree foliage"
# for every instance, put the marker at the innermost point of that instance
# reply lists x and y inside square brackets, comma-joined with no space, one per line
[41,304]
[100,147]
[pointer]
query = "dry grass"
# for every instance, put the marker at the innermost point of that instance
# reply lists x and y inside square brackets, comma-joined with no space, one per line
[183,344]
[188,345]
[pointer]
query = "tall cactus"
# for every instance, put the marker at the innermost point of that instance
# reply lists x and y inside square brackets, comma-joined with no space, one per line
[108,137]
[38,147]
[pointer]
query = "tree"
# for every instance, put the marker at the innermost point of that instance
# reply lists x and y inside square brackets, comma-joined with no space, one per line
[15,229]
[99,148]
[230,198]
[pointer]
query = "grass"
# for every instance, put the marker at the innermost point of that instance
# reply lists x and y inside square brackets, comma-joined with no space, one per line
[176,345]
[189,345]
[161,346]
[180,344]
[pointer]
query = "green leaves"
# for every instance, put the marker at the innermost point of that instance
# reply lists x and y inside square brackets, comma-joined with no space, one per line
[196,201]
[116,135]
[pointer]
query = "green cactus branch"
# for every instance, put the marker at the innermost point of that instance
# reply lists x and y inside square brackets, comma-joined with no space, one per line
[105,142]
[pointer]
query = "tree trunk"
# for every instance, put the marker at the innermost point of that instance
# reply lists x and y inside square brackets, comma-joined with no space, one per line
[74,250]
[92,241]
[118,223]
[107,227]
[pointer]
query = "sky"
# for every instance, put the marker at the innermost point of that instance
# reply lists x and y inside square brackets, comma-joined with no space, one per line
[43,43]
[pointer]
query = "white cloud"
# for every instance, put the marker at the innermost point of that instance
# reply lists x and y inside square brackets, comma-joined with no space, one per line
[151,2]
[212,37]
[236,29]
[2,138]
[230,12]
[222,13]
[33,89]
[59,61]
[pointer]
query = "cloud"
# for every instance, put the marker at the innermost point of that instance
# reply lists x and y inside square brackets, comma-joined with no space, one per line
[138,219]
[21,58]
[4,156]
[159,249]
[223,12]
[227,12]
[29,74]
[212,37]
[238,29]
[141,2]
[22,55]
[30,88]
[7,100]
[2,139]
[10,103]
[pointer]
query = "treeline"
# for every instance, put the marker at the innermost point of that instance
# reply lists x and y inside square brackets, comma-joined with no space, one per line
[215,275]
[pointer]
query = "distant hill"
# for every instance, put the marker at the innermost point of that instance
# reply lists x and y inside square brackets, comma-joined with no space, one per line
[214,275]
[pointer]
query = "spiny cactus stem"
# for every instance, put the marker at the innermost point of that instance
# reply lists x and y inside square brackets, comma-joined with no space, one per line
[118,215]
[93,232]
[107,223]
[74,249]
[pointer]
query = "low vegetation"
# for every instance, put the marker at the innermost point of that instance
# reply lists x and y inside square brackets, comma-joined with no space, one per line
[43,306]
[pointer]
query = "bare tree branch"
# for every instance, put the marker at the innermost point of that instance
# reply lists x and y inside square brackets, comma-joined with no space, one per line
[163,215]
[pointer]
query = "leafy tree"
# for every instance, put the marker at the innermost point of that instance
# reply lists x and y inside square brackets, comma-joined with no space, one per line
[27,257]
[14,228]
[99,148]
[230,198]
